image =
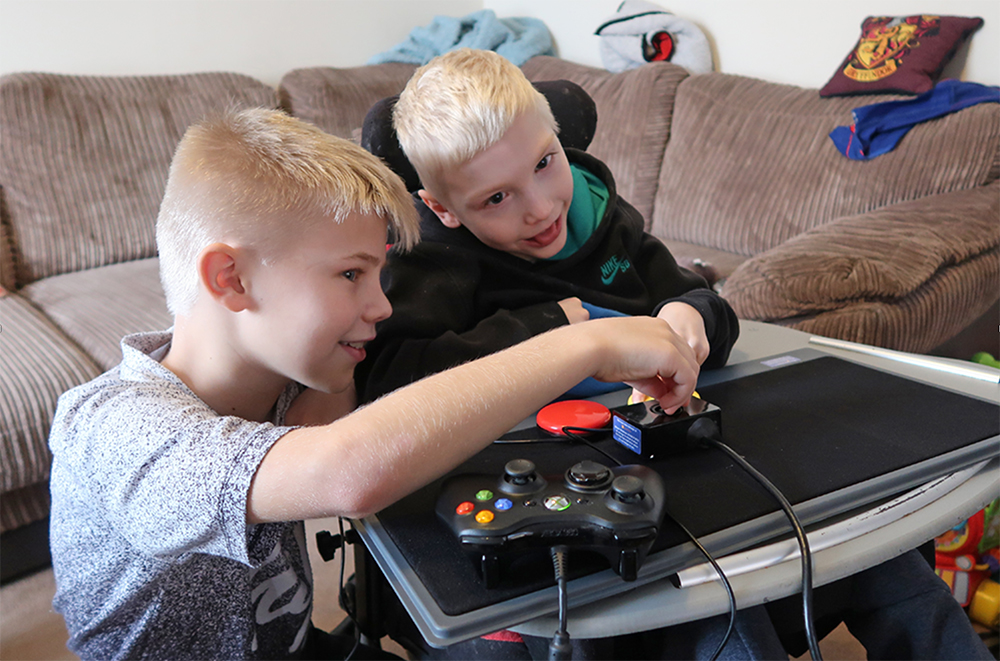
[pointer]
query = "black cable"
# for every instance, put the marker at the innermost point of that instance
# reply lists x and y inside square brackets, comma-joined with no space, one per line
[560,648]
[705,431]
[571,432]
[725,584]
[576,433]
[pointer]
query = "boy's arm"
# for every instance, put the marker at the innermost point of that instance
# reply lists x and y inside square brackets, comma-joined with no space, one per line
[670,283]
[384,451]
[722,327]
[687,322]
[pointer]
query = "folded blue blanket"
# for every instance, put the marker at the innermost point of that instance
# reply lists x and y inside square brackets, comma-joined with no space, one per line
[517,39]
[878,128]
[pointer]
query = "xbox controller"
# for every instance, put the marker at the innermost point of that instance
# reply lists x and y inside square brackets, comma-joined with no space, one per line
[614,511]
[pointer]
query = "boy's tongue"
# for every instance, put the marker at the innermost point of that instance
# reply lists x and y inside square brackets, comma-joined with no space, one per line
[547,236]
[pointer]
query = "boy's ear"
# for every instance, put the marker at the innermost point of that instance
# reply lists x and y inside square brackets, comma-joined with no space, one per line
[220,273]
[448,219]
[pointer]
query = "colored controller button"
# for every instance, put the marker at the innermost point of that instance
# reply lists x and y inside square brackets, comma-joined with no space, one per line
[484,516]
[485,494]
[557,503]
[465,508]
[503,504]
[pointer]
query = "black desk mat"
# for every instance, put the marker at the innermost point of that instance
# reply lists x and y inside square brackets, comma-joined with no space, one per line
[812,428]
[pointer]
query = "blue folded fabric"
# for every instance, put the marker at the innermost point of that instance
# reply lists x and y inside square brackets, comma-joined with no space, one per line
[878,128]
[517,39]
[597,312]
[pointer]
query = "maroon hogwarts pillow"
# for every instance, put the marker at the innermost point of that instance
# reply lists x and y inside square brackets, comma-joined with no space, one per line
[900,54]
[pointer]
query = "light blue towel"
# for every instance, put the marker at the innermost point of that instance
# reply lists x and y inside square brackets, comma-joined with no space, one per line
[517,39]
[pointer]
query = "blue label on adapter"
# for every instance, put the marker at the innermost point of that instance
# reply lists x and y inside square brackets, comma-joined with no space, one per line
[628,435]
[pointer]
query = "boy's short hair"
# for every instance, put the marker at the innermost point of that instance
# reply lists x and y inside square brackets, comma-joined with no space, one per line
[458,105]
[236,176]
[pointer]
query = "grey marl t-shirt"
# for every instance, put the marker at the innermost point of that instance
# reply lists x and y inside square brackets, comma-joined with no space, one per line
[152,552]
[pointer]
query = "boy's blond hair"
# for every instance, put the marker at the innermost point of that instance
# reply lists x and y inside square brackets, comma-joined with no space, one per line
[458,105]
[239,177]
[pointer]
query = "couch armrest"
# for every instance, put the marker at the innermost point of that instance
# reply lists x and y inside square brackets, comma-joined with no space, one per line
[932,256]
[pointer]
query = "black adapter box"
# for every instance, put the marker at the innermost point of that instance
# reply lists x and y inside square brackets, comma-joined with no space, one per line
[647,430]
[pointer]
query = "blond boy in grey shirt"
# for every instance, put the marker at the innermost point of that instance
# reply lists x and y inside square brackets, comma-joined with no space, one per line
[178,491]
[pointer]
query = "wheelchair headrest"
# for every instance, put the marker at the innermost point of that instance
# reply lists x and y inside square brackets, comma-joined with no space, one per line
[574,110]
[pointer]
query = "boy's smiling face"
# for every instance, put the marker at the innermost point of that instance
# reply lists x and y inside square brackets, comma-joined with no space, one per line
[513,196]
[317,302]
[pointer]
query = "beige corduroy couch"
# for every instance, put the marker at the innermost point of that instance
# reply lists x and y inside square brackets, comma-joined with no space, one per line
[900,251]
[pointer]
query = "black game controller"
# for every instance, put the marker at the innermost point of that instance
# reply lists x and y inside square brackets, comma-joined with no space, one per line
[614,511]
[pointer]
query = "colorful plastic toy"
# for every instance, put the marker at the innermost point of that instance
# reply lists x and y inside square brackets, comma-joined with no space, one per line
[966,558]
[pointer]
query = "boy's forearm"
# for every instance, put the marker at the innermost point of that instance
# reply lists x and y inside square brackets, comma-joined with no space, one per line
[721,324]
[391,447]
[446,418]
[384,451]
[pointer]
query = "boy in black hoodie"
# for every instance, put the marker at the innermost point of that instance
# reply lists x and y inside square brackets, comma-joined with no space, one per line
[518,235]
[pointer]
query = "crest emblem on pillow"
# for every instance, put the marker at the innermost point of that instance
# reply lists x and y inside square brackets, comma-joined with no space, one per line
[884,42]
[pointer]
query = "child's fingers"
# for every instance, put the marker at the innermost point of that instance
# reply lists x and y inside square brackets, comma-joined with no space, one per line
[670,394]
[638,396]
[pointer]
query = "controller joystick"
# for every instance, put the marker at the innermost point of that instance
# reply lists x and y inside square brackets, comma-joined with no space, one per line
[627,489]
[628,495]
[613,511]
[519,478]
[588,475]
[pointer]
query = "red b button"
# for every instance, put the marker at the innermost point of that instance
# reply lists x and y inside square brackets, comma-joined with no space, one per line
[465,508]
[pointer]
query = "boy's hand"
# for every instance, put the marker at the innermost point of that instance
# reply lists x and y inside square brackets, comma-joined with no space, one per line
[650,356]
[689,324]
[574,310]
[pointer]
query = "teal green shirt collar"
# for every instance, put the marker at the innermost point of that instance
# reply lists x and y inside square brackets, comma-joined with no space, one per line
[590,200]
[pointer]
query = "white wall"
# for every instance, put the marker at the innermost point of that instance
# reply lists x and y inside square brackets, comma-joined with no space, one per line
[800,42]
[262,38]
[792,41]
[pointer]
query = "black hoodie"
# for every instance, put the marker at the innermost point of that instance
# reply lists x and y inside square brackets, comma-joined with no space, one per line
[455,299]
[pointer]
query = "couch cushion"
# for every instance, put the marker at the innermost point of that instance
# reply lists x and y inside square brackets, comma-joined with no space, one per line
[907,276]
[8,277]
[96,308]
[85,160]
[37,364]
[19,508]
[337,100]
[634,112]
[713,265]
[750,164]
